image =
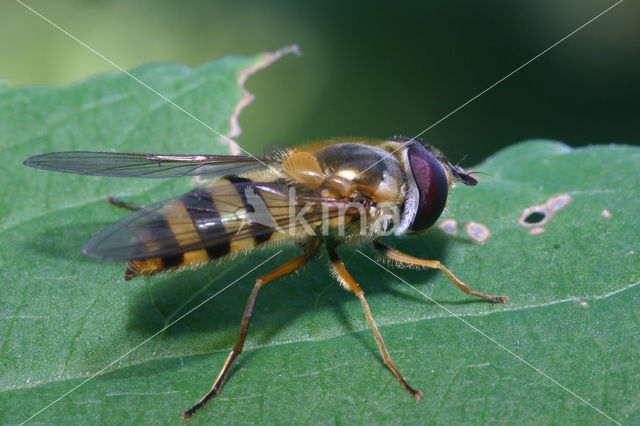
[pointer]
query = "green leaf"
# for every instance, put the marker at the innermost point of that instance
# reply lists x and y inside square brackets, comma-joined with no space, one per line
[310,356]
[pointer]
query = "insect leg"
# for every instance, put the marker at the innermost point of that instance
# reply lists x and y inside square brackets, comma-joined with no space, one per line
[283,270]
[347,280]
[434,264]
[120,203]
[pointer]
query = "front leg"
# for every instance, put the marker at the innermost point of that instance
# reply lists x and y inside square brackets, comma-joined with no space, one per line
[433,264]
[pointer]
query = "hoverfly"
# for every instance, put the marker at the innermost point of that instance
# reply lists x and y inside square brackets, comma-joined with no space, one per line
[316,196]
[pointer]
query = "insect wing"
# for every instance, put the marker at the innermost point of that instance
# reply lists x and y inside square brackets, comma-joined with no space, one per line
[220,218]
[125,164]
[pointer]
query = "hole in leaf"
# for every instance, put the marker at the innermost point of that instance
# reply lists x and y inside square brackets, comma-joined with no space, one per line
[535,217]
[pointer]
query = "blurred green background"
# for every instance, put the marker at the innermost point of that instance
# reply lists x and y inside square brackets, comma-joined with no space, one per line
[369,68]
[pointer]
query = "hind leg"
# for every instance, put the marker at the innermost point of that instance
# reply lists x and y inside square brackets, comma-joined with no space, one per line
[124,204]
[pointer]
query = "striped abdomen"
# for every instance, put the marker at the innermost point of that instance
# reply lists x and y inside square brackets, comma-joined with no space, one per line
[206,223]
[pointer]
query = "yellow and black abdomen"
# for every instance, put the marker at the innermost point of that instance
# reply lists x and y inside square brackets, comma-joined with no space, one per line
[204,224]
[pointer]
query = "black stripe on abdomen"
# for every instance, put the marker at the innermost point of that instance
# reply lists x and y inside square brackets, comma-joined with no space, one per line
[207,221]
[159,228]
[261,233]
[172,261]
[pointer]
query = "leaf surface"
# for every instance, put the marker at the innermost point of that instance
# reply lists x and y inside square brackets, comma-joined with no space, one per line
[310,356]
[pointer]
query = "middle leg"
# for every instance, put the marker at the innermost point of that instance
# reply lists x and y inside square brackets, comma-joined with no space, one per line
[349,283]
[283,270]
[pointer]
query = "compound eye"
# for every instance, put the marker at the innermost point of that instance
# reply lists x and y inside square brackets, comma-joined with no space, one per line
[431,181]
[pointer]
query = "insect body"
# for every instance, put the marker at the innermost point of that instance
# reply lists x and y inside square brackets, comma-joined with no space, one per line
[316,196]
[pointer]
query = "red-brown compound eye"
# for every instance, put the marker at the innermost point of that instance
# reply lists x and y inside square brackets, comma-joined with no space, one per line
[431,181]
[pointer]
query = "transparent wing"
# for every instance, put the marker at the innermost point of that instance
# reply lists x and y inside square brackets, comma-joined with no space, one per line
[209,217]
[129,164]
